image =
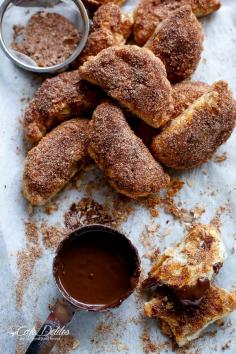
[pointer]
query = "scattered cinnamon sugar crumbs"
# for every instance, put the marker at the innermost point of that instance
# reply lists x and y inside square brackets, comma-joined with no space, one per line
[104,327]
[121,207]
[26,259]
[167,201]
[151,203]
[147,239]
[65,345]
[148,345]
[197,212]
[52,235]
[25,262]
[174,187]
[220,158]
[50,207]
[31,232]
[48,38]
[86,211]
[223,209]
[171,208]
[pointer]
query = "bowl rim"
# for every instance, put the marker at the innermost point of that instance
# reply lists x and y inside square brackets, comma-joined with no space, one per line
[79,231]
[50,69]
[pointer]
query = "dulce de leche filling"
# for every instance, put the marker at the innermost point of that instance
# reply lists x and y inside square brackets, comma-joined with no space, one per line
[96,268]
[192,295]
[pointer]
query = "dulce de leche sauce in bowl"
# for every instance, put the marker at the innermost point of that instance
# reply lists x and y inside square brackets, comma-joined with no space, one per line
[96,268]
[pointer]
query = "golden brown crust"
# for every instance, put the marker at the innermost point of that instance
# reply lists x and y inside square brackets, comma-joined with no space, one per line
[35,124]
[204,7]
[184,94]
[58,98]
[151,12]
[123,158]
[110,27]
[93,5]
[135,78]
[192,138]
[110,16]
[178,42]
[57,157]
[65,95]
[187,324]
[199,255]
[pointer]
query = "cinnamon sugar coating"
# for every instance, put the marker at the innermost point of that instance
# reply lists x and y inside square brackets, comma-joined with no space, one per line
[93,5]
[65,95]
[184,94]
[110,27]
[193,258]
[184,325]
[35,123]
[56,158]
[135,78]
[57,99]
[178,42]
[48,38]
[111,17]
[192,138]
[150,13]
[121,155]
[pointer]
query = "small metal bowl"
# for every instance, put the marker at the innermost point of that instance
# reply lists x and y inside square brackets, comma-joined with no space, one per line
[23,9]
[65,307]
[117,237]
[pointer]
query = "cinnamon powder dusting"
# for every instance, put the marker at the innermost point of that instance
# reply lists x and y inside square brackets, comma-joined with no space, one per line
[87,211]
[52,235]
[65,345]
[48,38]
[148,345]
[26,259]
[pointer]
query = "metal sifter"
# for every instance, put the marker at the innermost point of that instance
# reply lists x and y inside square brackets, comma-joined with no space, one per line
[22,10]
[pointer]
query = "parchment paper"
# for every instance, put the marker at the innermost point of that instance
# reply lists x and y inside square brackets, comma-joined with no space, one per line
[124,326]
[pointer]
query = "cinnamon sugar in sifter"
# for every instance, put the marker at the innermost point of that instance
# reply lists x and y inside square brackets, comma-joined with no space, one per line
[48,38]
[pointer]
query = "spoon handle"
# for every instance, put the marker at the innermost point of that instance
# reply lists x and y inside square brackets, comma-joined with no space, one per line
[53,328]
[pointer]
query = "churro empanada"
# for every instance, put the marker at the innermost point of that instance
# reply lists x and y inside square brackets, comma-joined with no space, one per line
[189,267]
[110,27]
[150,13]
[186,324]
[93,5]
[178,42]
[57,99]
[135,78]
[192,138]
[121,155]
[56,158]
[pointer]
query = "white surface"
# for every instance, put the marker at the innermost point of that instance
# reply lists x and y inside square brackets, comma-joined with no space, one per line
[218,62]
